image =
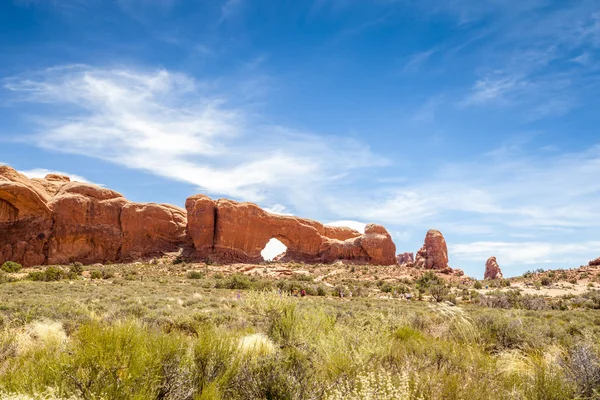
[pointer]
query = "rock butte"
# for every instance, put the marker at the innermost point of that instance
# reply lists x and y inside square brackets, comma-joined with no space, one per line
[492,269]
[595,262]
[56,221]
[434,253]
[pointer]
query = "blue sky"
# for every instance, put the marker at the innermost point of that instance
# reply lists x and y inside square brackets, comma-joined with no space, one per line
[479,118]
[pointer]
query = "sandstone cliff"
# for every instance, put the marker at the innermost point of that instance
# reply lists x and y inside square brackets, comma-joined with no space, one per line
[56,221]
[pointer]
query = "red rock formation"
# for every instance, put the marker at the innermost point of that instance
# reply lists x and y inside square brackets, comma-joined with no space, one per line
[56,221]
[201,213]
[406,258]
[25,220]
[87,226]
[242,230]
[151,229]
[595,262]
[434,253]
[458,272]
[492,269]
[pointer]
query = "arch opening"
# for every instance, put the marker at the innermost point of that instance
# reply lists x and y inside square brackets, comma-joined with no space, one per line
[273,248]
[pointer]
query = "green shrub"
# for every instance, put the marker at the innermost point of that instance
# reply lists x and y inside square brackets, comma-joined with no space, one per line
[96,274]
[545,281]
[438,292]
[428,279]
[50,274]
[236,281]
[76,268]
[195,275]
[477,285]
[11,266]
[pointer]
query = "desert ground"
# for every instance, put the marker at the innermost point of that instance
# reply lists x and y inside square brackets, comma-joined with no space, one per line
[170,330]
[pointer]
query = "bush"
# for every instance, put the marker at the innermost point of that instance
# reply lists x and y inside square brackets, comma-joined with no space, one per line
[76,268]
[545,281]
[96,275]
[50,274]
[477,285]
[428,279]
[438,292]
[195,275]
[236,281]
[11,266]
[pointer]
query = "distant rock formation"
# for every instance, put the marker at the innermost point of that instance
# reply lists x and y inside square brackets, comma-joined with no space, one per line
[56,221]
[492,269]
[406,258]
[595,262]
[434,253]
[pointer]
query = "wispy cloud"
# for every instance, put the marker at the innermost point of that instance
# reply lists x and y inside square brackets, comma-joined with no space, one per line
[173,126]
[529,253]
[229,8]
[416,61]
[42,172]
[509,189]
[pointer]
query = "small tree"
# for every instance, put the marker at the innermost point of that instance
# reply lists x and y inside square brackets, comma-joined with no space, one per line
[438,292]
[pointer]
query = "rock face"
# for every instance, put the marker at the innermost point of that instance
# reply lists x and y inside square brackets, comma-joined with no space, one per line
[406,258]
[434,253]
[595,262]
[227,231]
[492,269]
[56,221]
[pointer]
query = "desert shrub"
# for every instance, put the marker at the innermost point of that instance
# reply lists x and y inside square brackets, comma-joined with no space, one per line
[583,368]
[535,303]
[500,332]
[387,287]
[195,275]
[545,281]
[438,292]
[107,273]
[49,274]
[96,274]
[11,266]
[76,268]
[407,333]
[477,285]
[428,279]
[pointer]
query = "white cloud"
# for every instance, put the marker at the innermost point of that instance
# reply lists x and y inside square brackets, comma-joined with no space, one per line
[515,253]
[359,226]
[416,61]
[173,126]
[42,172]
[279,209]
[508,189]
